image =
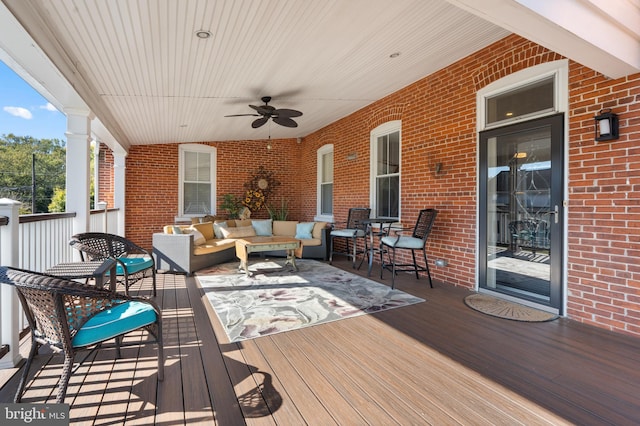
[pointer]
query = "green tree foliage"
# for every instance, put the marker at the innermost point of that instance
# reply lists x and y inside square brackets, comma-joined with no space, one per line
[58,201]
[16,156]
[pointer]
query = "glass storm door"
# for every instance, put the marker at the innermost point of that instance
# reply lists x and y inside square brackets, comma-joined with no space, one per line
[521,193]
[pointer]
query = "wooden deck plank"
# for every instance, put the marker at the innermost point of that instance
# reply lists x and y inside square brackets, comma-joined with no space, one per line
[170,396]
[197,403]
[437,362]
[226,407]
[282,409]
[294,387]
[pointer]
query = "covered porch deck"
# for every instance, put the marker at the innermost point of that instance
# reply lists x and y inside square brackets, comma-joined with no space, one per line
[437,362]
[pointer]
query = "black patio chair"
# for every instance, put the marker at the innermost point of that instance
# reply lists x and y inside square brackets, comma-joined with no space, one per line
[417,241]
[134,262]
[72,317]
[354,229]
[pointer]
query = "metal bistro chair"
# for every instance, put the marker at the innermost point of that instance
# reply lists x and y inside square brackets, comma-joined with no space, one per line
[417,241]
[134,262]
[355,229]
[71,317]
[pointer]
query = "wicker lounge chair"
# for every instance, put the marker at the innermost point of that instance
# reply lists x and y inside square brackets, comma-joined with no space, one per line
[134,262]
[71,317]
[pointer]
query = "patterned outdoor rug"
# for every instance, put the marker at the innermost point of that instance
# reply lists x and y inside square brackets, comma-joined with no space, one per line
[274,300]
[508,310]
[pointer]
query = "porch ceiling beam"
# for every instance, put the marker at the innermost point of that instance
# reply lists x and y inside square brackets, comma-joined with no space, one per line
[604,37]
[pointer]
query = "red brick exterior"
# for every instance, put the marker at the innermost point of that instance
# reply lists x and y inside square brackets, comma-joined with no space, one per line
[438,116]
[105,175]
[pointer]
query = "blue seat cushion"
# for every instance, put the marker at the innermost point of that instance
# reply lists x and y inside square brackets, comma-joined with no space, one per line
[403,242]
[119,319]
[133,264]
[350,233]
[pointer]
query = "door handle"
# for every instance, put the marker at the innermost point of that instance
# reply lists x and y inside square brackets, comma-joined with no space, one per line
[555,214]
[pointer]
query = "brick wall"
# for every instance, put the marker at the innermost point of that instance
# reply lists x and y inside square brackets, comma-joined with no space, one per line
[105,175]
[152,180]
[604,203]
[438,116]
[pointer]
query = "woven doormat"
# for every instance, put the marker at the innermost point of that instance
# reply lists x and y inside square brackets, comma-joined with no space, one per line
[508,310]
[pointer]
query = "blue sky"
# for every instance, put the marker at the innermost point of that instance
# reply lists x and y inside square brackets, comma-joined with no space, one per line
[24,112]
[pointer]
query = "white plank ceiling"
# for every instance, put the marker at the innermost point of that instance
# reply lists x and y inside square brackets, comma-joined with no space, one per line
[141,69]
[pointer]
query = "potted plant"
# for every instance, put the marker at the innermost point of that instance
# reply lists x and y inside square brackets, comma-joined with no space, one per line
[280,213]
[232,205]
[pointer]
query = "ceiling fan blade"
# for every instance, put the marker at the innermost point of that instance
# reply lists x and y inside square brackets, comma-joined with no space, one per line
[285,121]
[263,109]
[243,115]
[259,122]
[287,113]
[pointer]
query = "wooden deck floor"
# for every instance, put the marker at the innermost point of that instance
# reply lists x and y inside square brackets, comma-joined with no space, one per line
[437,362]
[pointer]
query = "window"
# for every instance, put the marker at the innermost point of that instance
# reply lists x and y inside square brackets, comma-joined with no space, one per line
[385,170]
[197,170]
[534,92]
[534,98]
[325,183]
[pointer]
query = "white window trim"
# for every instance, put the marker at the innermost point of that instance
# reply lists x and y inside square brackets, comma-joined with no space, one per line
[325,149]
[381,130]
[182,148]
[558,69]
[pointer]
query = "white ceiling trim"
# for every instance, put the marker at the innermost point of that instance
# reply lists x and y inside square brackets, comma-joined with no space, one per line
[574,28]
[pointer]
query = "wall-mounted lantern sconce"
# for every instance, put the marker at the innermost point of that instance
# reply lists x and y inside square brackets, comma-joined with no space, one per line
[606,125]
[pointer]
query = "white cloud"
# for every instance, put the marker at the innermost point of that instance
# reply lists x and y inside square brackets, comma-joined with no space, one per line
[49,107]
[19,112]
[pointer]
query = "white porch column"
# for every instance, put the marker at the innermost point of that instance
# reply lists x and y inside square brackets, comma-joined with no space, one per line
[10,256]
[78,171]
[119,188]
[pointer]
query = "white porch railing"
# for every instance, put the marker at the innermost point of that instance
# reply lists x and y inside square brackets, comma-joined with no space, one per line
[42,241]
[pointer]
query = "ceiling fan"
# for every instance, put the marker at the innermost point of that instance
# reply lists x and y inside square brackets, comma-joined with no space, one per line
[266,112]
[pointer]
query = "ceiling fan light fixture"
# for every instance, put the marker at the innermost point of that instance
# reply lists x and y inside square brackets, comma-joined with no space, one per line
[203,34]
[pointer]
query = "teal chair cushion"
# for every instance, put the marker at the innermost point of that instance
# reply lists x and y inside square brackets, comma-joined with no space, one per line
[133,264]
[113,322]
[350,233]
[403,242]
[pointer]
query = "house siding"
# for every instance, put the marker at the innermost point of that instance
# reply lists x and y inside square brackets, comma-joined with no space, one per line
[438,116]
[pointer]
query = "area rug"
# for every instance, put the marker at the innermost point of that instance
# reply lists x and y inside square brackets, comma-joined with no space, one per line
[275,299]
[505,309]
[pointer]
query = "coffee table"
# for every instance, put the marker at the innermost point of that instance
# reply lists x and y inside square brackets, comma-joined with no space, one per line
[247,245]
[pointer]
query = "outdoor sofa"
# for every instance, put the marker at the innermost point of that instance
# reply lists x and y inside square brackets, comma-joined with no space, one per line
[188,248]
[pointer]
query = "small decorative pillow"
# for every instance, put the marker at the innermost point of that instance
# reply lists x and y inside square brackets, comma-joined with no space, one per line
[263,227]
[217,229]
[238,232]
[303,230]
[198,238]
[176,229]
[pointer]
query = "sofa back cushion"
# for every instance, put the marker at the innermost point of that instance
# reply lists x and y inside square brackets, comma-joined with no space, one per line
[206,229]
[264,228]
[217,228]
[317,229]
[303,230]
[284,228]
[238,232]
[198,237]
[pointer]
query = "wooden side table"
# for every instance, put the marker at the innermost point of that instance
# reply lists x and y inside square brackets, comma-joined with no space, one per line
[96,269]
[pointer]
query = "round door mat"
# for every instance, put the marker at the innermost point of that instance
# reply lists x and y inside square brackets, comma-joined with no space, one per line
[508,310]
